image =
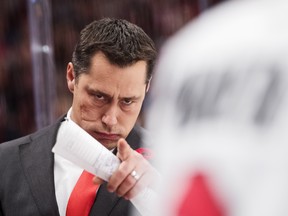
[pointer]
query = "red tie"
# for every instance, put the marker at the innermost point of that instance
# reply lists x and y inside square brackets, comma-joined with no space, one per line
[82,196]
[84,192]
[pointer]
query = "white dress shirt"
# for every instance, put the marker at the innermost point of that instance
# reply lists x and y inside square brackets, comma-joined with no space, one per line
[66,175]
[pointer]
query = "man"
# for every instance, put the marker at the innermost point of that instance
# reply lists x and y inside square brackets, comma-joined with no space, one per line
[109,76]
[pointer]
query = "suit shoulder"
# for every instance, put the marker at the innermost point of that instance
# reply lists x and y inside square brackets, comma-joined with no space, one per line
[15,142]
[28,138]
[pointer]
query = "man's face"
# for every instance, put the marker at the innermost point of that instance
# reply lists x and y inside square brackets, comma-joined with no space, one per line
[108,99]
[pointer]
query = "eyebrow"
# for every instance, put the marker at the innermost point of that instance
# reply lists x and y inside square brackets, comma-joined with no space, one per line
[109,96]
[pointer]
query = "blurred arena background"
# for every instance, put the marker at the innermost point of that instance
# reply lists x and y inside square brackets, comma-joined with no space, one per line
[18,92]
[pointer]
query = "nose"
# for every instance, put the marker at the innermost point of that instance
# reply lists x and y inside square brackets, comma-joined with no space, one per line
[110,116]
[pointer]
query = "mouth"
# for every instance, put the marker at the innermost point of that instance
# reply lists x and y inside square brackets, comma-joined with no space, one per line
[106,136]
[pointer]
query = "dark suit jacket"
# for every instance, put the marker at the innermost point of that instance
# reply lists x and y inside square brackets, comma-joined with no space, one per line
[27,177]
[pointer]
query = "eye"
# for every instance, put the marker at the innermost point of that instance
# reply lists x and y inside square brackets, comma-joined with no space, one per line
[127,101]
[99,96]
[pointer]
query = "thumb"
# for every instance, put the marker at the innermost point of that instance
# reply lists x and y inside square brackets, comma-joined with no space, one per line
[123,149]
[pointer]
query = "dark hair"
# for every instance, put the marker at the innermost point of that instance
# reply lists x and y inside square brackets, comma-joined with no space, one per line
[122,42]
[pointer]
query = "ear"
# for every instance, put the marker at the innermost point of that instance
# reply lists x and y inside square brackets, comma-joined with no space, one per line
[70,77]
[148,85]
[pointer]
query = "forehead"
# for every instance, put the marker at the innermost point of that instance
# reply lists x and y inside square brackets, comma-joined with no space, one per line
[102,74]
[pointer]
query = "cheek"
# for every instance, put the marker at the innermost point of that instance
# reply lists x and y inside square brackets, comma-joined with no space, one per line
[89,112]
[130,117]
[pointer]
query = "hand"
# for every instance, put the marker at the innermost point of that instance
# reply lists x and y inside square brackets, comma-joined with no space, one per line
[122,182]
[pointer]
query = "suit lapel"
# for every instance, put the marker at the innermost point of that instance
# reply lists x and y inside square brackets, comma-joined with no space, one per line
[38,165]
[104,202]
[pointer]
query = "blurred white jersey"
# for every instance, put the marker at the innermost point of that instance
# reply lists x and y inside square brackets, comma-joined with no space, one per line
[219,113]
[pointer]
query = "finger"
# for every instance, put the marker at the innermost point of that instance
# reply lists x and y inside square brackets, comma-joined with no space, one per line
[146,180]
[123,149]
[129,183]
[119,176]
[126,185]
[134,177]
[130,159]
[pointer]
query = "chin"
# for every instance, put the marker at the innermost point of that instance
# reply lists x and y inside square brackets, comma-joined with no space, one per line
[108,144]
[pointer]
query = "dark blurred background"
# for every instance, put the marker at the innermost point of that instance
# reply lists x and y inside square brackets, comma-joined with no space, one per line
[159,19]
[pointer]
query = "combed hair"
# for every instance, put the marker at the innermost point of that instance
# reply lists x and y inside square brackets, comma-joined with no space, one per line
[122,42]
